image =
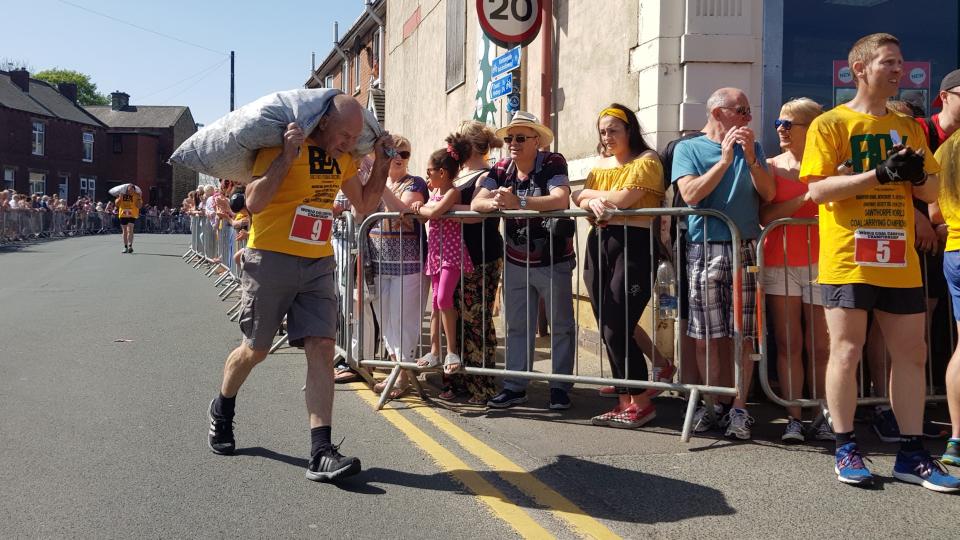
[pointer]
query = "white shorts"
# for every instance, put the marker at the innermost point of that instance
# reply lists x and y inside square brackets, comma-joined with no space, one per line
[793,281]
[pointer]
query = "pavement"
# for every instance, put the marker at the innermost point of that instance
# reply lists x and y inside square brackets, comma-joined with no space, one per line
[109,362]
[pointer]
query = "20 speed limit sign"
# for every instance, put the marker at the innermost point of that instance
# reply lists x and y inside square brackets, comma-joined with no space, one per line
[510,21]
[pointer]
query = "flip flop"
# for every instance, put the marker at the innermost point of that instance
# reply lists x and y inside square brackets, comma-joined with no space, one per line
[346,376]
[400,390]
[428,361]
[452,363]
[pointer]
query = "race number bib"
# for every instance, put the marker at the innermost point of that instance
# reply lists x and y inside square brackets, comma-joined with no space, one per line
[880,247]
[311,225]
[126,213]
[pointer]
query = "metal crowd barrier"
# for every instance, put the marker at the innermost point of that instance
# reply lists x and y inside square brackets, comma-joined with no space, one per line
[694,391]
[815,397]
[20,225]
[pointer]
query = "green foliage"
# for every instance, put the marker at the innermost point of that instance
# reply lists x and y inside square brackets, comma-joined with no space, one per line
[86,90]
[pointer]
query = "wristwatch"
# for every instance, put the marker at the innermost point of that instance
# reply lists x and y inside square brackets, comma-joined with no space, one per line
[523,201]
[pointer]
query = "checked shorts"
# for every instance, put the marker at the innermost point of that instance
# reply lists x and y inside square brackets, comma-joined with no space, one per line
[711,307]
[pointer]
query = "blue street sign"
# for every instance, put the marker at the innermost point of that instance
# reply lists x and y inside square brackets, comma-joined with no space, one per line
[506,62]
[501,87]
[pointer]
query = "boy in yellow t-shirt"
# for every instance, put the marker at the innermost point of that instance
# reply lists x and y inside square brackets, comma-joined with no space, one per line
[864,164]
[128,210]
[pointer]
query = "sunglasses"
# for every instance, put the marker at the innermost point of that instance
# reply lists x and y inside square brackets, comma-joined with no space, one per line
[519,138]
[787,124]
[740,109]
[404,154]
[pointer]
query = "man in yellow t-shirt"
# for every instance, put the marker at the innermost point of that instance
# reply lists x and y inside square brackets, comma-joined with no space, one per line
[288,269]
[128,210]
[864,164]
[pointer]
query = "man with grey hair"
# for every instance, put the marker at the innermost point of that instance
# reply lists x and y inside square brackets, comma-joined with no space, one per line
[288,269]
[724,170]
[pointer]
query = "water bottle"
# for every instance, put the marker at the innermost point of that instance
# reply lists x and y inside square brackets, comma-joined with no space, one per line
[666,292]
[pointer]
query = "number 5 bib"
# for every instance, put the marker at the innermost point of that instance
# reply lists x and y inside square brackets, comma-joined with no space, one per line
[311,225]
[880,247]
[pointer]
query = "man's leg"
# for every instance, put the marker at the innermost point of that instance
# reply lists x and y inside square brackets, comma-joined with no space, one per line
[326,462]
[559,304]
[239,364]
[521,318]
[904,337]
[847,328]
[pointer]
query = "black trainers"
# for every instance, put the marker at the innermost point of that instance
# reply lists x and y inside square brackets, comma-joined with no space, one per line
[220,437]
[130,249]
[506,399]
[329,464]
[559,400]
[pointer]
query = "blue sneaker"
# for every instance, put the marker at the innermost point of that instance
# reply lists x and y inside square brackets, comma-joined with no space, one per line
[559,400]
[850,468]
[951,456]
[920,468]
[506,399]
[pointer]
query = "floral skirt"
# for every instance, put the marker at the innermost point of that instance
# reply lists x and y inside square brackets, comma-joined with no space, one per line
[476,330]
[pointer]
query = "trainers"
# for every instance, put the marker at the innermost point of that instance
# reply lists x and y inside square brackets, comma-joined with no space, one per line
[951,456]
[704,422]
[920,468]
[220,437]
[933,431]
[633,417]
[605,418]
[329,464]
[559,400]
[130,249]
[885,426]
[506,399]
[794,431]
[662,374]
[739,424]
[849,466]
[607,391]
[824,432]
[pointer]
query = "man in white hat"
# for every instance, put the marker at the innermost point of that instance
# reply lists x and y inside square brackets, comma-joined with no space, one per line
[540,253]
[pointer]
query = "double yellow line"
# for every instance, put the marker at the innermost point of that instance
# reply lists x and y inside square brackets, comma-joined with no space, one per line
[498,503]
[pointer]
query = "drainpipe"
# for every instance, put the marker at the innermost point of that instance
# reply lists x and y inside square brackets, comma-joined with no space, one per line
[368,6]
[546,59]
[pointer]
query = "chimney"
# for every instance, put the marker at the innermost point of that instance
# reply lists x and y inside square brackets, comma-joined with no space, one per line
[120,100]
[68,90]
[21,78]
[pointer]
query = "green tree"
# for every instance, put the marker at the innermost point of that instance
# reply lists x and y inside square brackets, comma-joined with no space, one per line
[86,90]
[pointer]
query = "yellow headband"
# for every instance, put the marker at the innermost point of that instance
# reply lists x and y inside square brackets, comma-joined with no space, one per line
[616,113]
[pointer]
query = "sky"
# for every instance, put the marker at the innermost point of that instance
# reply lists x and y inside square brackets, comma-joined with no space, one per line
[273,42]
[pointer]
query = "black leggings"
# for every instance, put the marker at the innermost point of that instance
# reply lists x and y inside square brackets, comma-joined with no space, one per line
[620,303]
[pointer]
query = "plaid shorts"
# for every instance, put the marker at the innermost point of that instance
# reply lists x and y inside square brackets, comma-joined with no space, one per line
[711,311]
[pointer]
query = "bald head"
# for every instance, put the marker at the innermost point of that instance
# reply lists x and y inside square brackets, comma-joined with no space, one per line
[340,126]
[728,107]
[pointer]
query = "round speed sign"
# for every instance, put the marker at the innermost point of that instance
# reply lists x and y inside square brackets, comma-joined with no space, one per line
[510,21]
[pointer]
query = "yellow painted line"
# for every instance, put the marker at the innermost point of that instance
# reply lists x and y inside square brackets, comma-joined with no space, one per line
[559,506]
[498,503]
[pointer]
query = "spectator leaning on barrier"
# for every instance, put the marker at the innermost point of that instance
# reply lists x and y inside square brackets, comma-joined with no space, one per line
[288,269]
[537,249]
[724,170]
[946,212]
[477,293]
[867,255]
[617,262]
[789,276]
[128,210]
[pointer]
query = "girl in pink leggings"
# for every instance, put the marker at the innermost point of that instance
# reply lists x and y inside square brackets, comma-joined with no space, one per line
[446,254]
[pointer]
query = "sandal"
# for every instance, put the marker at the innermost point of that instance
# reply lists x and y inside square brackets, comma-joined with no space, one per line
[346,376]
[447,394]
[478,401]
[428,361]
[400,390]
[451,363]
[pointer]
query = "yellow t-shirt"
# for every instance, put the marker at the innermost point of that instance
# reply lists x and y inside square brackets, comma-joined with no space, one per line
[867,238]
[299,219]
[948,155]
[128,205]
[645,174]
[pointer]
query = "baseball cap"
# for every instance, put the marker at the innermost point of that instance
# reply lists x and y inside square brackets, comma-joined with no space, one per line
[951,80]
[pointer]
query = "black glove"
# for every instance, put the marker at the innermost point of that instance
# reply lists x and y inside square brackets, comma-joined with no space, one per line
[905,167]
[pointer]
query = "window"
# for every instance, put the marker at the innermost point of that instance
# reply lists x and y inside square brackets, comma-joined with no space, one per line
[88,146]
[88,187]
[38,183]
[9,177]
[456,43]
[356,72]
[328,81]
[38,131]
[117,143]
[375,57]
[64,186]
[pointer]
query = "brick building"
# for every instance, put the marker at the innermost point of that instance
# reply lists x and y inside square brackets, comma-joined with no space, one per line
[354,65]
[48,143]
[139,141]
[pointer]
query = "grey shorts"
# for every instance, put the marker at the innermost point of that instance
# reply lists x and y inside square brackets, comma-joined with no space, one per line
[275,285]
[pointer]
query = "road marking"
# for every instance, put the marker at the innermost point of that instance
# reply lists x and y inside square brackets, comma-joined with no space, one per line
[498,503]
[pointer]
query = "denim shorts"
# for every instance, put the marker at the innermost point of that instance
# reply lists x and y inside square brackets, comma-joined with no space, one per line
[951,271]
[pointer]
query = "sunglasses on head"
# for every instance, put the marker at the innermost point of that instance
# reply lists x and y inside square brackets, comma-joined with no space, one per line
[404,154]
[740,109]
[787,124]
[519,138]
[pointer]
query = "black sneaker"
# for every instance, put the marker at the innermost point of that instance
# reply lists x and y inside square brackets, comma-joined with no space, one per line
[559,400]
[329,464]
[220,436]
[130,249]
[506,399]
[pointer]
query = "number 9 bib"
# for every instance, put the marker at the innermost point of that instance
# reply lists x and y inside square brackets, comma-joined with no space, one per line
[880,247]
[126,213]
[311,225]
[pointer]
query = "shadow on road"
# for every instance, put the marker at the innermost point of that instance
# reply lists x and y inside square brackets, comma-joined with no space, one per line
[259,451]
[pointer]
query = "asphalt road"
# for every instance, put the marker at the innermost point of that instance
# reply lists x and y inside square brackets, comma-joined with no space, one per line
[102,438]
